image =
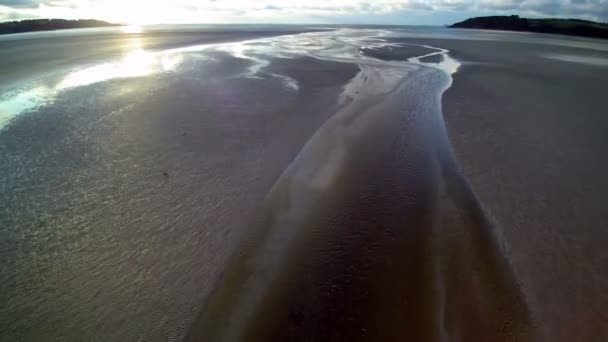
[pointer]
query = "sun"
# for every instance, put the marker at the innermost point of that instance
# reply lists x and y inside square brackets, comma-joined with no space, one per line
[132,28]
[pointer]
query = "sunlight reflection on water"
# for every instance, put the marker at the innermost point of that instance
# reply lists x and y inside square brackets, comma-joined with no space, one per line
[136,63]
[338,46]
[132,29]
[20,101]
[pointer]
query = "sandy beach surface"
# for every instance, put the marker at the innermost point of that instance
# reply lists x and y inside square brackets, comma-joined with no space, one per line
[528,124]
[302,183]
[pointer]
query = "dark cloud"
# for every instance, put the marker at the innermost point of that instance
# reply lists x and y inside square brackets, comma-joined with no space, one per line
[454,5]
[20,3]
[590,9]
[61,3]
[509,5]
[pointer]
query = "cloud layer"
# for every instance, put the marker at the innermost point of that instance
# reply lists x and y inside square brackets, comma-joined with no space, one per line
[158,11]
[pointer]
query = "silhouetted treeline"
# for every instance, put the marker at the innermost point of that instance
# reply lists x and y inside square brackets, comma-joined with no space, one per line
[574,27]
[49,24]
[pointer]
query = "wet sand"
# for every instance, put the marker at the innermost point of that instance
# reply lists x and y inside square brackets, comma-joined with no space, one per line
[119,219]
[409,256]
[398,52]
[529,132]
[370,235]
[294,189]
[283,189]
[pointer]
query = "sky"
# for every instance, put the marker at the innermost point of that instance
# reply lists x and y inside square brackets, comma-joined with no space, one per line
[403,12]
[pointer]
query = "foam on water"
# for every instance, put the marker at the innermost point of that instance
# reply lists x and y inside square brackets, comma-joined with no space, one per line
[597,61]
[289,82]
[22,100]
[447,63]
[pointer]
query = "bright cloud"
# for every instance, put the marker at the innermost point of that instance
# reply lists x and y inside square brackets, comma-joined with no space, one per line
[213,11]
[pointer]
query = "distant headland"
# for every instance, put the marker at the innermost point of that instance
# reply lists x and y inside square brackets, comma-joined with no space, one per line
[573,27]
[49,25]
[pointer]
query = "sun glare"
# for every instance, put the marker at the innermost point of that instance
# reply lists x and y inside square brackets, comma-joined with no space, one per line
[136,63]
[132,29]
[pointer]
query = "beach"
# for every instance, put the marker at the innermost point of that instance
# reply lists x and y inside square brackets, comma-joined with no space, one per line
[303,183]
[528,129]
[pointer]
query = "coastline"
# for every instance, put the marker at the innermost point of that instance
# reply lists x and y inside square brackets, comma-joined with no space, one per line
[42,25]
[561,26]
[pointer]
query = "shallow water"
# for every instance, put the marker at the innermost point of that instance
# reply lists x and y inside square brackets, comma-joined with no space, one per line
[290,184]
